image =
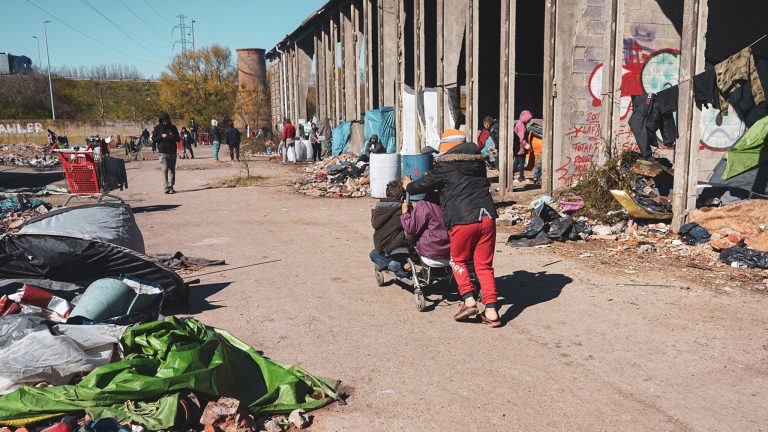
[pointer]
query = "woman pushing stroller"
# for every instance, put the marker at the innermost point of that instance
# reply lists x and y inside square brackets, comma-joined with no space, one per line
[469,215]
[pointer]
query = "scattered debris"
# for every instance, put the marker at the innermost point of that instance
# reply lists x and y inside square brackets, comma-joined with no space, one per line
[342,176]
[28,155]
[298,420]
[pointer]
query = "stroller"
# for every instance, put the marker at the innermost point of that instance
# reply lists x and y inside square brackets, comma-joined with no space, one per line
[422,277]
[133,148]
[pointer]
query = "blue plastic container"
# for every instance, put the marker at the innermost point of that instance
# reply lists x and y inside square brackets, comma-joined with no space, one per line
[415,166]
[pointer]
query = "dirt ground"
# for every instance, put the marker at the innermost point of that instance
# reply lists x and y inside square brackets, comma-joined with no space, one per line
[586,346]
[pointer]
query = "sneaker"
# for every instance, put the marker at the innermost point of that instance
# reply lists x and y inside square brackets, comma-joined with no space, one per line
[167,190]
[171,191]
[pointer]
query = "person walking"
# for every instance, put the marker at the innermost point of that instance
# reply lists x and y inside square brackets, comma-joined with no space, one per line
[165,135]
[187,142]
[215,136]
[469,215]
[144,137]
[232,138]
[314,139]
[289,141]
[521,145]
[193,132]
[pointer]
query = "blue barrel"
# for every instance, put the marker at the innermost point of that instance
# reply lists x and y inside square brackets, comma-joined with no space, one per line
[415,166]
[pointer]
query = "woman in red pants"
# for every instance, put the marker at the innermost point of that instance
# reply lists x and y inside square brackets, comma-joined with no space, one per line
[469,214]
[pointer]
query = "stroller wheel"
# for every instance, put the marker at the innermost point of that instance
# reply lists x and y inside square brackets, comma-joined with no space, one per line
[421,302]
[379,277]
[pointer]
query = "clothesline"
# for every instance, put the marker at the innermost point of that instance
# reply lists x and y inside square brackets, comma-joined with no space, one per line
[689,79]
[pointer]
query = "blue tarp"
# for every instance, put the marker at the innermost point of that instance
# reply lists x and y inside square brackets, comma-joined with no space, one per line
[340,142]
[381,121]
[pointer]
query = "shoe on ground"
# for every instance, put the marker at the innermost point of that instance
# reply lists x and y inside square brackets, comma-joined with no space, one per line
[171,191]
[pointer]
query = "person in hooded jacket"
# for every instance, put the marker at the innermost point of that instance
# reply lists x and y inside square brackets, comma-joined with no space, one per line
[390,246]
[521,145]
[165,135]
[425,223]
[232,138]
[469,215]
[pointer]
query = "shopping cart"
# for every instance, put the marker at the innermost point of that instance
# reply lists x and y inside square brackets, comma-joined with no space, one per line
[89,174]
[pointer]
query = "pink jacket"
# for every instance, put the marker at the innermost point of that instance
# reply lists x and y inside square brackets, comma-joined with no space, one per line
[520,130]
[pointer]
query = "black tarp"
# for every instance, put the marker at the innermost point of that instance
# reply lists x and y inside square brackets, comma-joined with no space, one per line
[754,180]
[82,261]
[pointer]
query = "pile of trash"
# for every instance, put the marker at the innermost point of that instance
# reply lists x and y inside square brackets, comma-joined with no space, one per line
[28,155]
[342,176]
[84,345]
[18,208]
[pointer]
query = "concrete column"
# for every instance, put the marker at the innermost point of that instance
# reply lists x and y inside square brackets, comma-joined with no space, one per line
[357,40]
[612,78]
[686,149]
[319,73]
[389,40]
[370,45]
[304,54]
[550,93]
[418,64]
[453,32]
[440,73]
[473,38]
[328,70]
[338,103]
[349,67]
[507,96]
[400,72]
[283,86]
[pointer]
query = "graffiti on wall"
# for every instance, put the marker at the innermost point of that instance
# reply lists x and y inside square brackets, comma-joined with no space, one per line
[18,128]
[584,145]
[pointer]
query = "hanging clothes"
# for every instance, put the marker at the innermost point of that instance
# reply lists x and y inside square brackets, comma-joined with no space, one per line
[732,72]
[651,113]
[705,92]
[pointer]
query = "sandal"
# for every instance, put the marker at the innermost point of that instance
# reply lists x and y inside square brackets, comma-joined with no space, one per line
[487,322]
[465,312]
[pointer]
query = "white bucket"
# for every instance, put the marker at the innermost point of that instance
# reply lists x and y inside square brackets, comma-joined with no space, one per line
[384,168]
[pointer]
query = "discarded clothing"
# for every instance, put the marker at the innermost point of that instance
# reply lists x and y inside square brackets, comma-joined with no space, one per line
[18,203]
[748,257]
[750,151]
[546,225]
[166,357]
[705,92]
[733,71]
[651,113]
[118,301]
[179,261]
[694,234]
[33,353]
[520,241]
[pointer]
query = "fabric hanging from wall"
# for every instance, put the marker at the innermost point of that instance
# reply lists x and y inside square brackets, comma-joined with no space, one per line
[340,136]
[651,113]
[410,105]
[732,72]
[431,126]
[381,122]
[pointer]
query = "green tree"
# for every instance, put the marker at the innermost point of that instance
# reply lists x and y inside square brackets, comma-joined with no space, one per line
[200,84]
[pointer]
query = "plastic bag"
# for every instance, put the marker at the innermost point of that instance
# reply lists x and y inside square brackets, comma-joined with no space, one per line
[743,256]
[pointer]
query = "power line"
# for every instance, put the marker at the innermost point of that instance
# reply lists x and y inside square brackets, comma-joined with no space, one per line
[154,10]
[122,30]
[71,27]
[146,24]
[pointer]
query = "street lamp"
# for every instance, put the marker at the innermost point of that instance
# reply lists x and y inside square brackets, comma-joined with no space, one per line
[39,61]
[48,54]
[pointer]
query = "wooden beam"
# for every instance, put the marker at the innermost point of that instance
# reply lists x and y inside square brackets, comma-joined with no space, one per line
[686,142]
[440,49]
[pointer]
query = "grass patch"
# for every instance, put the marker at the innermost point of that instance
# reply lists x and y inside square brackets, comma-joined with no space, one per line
[239,181]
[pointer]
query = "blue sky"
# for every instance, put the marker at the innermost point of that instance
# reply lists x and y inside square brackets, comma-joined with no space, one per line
[148,44]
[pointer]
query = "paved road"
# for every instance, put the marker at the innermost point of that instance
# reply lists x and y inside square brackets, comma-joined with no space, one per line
[578,353]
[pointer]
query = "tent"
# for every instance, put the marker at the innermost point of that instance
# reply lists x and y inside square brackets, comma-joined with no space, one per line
[381,121]
[745,166]
[111,223]
[749,152]
[81,261]
[340,135]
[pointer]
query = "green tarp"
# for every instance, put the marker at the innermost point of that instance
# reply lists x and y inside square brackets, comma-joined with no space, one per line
[749,152]
[381,121]
[163,358]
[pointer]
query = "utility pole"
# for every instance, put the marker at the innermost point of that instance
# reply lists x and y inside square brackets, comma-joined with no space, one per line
[50,83]
[39,59]
[193,35]
[182,26]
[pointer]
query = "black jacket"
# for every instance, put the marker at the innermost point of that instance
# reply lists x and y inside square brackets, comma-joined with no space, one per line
[215,134]
[462,180]
[232,136]
[165,145]
[388,233]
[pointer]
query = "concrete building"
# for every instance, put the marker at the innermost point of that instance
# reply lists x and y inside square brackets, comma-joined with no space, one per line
[574,63]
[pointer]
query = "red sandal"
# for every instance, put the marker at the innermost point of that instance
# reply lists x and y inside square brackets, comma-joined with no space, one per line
[487,322]
[465,312]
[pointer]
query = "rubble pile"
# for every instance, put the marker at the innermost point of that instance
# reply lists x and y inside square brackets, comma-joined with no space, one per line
[17,209]
[28,155]
[337,177]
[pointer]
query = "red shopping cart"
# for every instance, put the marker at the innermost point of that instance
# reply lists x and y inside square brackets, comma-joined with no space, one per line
[91,175]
